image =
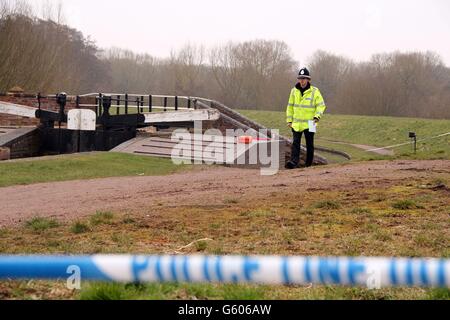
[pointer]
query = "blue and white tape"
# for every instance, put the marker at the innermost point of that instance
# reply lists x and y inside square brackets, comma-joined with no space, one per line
[370,272]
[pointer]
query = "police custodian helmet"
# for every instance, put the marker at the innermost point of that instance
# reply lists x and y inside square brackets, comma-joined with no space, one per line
[304,74]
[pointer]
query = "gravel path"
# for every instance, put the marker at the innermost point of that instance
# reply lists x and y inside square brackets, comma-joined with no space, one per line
[201,186]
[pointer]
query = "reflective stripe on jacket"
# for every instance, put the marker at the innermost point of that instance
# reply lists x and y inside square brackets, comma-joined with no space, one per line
[302,108]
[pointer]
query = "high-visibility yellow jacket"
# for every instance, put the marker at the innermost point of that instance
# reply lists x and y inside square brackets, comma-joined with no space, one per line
[302,108]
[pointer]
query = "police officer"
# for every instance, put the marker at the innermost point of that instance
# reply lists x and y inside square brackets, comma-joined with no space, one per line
[305,104]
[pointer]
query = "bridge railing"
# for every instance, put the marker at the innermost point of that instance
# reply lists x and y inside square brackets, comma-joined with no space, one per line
[125,103]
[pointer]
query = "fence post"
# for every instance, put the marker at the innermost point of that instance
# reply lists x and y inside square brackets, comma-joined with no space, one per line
[106,105]
[99,105]
[150,103]
[78,131]
[61,99]
[39,100]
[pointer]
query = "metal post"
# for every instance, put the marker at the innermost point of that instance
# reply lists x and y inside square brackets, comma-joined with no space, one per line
[150,103]
[176,103]
[61,99]
[118,105]
[138,102]
[39,100]
[126,103]
[106,105]
[189,103]
[142,104]
[415,145]
[165,104]
[100,101]
[78,131]
[413,136]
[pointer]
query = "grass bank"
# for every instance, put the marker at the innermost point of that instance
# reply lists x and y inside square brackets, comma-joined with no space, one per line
[82,166]
[373,131]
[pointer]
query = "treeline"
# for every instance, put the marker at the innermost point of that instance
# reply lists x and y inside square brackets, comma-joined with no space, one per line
[44,55]
[253,74]
[396,84]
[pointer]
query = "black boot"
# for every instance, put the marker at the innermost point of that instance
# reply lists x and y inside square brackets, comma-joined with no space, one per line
[290,165]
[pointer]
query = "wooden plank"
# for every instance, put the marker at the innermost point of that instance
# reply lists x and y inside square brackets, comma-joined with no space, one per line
[187,142]
[178,158]
[182,116]
[217,148]
[17,110]
[128,144]
[208,138]
[164,152]
[160,147]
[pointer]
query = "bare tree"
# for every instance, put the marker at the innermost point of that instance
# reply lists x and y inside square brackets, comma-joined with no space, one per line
[329,71]
[398,84]
[46,55]
[227,69]
[42,55]
[130,71]
[269,72]
[186,66]
[256,74]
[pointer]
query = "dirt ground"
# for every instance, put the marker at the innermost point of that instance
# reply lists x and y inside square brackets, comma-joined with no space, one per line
[202,186]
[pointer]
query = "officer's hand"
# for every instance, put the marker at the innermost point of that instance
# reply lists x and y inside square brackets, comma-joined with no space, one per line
[316,120]
[289,124]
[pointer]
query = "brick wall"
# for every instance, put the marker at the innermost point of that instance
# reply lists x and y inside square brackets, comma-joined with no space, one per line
[8,120]
[27,146]
[20,143]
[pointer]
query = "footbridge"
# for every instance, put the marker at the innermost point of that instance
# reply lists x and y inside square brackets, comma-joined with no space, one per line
[139,124]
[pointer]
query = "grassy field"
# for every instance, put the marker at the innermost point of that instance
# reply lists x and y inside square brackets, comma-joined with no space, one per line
[84,166]
[373,131]
[406,219]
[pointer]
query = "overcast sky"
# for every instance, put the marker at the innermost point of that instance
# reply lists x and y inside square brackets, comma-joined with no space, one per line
[356,29]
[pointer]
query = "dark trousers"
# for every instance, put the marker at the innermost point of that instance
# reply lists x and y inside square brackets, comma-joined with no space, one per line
[295,154]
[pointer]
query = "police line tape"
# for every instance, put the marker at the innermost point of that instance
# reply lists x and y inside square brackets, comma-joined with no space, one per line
[370,272]
[409,142]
